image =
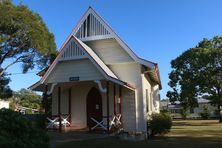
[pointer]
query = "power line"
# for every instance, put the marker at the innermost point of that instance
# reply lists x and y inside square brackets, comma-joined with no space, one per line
[19,73]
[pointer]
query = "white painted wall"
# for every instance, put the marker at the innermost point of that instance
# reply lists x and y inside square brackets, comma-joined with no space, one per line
[156,99]
[131,73]
[147,95]
[79,93]
[133,103]
[128,107]
[128,72]
[64,100]
[55,101]
[109,51]
[84,69]
[128,110]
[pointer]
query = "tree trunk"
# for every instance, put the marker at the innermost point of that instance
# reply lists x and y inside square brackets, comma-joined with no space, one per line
[219,113]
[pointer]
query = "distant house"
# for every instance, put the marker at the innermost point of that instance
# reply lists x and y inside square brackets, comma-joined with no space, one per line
[97,77]
[26,110]
[4,104]
[175,108]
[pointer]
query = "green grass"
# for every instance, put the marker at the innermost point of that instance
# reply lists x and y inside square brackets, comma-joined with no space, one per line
[184,134]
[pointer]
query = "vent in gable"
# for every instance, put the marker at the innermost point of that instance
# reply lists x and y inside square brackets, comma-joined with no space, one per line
[92,26]
[72,51]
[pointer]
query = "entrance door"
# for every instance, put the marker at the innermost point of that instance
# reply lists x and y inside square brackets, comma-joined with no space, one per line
[94,106]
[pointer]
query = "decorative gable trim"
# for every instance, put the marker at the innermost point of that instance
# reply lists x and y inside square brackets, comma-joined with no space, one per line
[108,33]
[92,26]
[111,34]
[107,73]
[72,51]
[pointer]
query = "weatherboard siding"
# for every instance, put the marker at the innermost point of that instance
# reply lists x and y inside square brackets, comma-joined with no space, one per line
[64,101]
[109,51]
[128,110]
[83,69]
[79,94]
[131,73]
[55,101]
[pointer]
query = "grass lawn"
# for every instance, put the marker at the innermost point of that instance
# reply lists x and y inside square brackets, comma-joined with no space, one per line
[184,134]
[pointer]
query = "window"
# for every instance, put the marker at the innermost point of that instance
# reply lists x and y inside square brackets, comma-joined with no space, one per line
[147,99]
[151,102]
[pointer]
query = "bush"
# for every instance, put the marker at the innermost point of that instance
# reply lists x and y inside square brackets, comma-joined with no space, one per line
[38,120]
[17,131]
[160,123]
[184,113]
[206,113]
[12,105]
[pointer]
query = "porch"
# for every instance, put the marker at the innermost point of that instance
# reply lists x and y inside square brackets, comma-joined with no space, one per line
[85,105]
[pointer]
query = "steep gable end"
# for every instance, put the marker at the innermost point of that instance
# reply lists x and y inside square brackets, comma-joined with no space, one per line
[92,26]
[76,50]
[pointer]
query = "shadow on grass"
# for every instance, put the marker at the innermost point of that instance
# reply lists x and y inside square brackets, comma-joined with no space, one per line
[157,142]
[184,134]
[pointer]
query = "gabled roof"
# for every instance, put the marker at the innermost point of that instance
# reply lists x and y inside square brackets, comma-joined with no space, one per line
[106,32]
[96,58]
[109,33]
[112,34]
[107,73]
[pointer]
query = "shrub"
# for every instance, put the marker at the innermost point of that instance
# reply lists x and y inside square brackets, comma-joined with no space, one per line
[184,113]
[17,131]
[160,123]
[12,105]
[206,113]
[38,120]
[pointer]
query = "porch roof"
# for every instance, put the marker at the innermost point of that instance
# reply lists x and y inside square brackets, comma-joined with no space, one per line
[38,86]
[108,74]
[91,55]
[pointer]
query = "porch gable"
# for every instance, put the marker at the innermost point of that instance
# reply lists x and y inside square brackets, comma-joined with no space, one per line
[74,70]
[82,52]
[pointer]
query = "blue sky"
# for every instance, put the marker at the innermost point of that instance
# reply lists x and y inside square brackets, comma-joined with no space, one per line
[157,30]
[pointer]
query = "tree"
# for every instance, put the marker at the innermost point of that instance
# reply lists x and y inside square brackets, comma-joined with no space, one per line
[24,38]
[184,112]
[198,72]
[5,91]
[27,98]
[206,113]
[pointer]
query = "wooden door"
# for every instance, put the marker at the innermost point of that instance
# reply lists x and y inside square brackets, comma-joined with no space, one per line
[94,106]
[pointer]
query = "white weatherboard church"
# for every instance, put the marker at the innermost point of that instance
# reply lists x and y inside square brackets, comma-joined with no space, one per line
[97,80]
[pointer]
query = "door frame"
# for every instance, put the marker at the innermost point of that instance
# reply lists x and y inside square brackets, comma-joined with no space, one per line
[95,90]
